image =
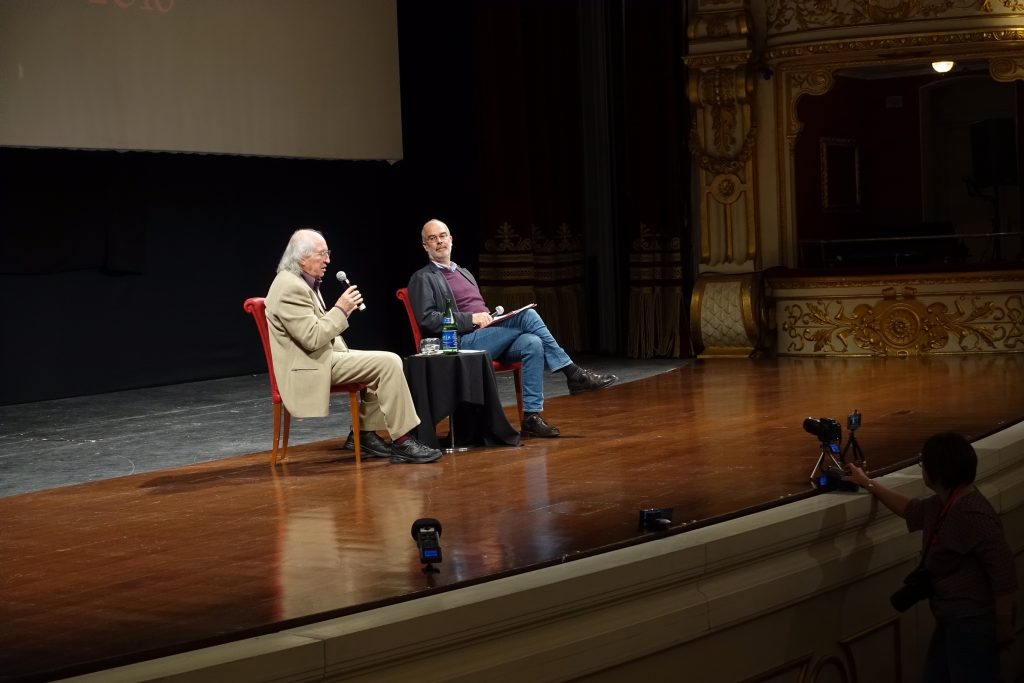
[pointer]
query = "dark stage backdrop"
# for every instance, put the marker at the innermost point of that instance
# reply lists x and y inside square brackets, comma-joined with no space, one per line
[122,270]
[128,269]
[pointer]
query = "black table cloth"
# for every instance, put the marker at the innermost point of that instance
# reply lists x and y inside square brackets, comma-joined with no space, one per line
[461,385]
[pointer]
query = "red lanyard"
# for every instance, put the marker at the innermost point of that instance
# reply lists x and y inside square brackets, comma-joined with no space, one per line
[942,514]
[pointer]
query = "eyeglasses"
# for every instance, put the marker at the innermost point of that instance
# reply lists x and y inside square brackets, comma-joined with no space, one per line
[433,238]
[326,253]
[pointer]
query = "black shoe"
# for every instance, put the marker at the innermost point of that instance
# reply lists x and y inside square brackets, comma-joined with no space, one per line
[585,380]
[536,425]
[412,451]
[370,445]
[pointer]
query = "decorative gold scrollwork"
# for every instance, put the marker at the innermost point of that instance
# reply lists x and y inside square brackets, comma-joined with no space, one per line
[901,325]
[803,15]
[732,164]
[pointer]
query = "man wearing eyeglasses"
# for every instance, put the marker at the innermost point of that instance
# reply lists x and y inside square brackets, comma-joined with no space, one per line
[310,355]
[523,337]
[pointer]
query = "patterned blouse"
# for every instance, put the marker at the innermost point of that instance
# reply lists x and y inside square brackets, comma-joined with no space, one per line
[970,562]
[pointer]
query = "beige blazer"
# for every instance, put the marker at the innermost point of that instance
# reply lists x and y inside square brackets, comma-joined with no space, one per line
[303,338]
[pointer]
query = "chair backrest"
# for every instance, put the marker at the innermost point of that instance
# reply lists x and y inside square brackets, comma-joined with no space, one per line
[257,306]
[417,334]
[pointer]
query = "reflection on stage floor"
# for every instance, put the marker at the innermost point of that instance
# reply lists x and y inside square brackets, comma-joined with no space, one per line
[168,561]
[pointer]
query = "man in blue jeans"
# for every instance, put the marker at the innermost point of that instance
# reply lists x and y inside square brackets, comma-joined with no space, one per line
[522,337]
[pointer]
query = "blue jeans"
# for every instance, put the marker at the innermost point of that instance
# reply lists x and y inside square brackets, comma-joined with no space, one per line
[525,338]
[963,650]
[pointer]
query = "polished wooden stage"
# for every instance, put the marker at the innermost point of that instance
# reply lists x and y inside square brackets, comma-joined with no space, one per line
[127,569]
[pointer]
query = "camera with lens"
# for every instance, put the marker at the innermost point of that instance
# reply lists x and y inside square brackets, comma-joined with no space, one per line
[916,587]
[826,429]
[853,421]
[830,469]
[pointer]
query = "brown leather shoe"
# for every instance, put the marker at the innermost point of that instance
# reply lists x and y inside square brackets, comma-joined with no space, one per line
[536,425]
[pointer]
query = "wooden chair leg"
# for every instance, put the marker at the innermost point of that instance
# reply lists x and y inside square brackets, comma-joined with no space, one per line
[277,433]
[287,417]
[353,402]
[517,377]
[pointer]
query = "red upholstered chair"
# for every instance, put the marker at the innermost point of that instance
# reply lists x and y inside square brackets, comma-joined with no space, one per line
[258,308]
[515,368]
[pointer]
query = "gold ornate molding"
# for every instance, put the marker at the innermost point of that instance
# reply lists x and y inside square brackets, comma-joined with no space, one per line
[723,130]
[901,46]
[719,25]
[901,324]
[814,81]
[1006,69]
[722,141]
[994,280]
[802,15]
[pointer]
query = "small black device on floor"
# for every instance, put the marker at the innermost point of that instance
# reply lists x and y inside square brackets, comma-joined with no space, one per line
[655,519]
[427,534]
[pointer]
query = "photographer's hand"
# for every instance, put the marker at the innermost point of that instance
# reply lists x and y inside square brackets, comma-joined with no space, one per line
[893,500]
[858,477]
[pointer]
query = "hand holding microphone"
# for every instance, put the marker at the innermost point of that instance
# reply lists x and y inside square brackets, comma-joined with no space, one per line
[484,319]
[355,292]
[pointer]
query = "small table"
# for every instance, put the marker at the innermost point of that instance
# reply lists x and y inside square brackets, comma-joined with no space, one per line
[461,386]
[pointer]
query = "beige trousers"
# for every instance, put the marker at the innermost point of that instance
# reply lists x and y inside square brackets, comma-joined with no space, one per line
[387,404]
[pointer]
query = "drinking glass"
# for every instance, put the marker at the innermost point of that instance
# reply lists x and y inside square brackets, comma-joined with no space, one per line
[430,346]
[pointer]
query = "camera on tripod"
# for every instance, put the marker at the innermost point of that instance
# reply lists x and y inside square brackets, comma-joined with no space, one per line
[830,468]
[826,429]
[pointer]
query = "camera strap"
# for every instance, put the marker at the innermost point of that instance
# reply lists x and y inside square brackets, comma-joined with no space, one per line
[934,538]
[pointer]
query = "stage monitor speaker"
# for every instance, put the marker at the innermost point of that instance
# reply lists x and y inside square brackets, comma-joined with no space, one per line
[994,152]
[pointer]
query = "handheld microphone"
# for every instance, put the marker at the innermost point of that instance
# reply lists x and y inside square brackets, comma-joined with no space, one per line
[344,278]
[498,310]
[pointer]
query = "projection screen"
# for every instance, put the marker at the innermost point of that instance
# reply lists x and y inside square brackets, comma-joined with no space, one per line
[291,78]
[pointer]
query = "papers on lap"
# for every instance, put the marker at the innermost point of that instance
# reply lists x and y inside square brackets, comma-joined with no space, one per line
[503,316]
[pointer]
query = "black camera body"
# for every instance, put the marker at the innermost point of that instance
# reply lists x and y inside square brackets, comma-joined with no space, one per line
[826,429]
[853,421]
[916,587]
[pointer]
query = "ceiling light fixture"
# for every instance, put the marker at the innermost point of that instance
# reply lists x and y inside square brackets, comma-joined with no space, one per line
[944,66]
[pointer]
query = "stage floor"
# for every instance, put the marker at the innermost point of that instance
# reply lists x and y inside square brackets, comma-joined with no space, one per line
[134,567]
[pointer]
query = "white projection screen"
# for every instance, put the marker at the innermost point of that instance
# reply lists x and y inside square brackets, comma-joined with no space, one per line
[290,78]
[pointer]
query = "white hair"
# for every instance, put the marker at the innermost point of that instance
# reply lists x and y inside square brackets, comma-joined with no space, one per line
[300,247]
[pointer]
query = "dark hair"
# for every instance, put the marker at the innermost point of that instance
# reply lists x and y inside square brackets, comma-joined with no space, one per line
[949,460]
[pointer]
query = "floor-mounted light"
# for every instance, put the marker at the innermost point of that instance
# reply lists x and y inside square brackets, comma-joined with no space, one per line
[943,67]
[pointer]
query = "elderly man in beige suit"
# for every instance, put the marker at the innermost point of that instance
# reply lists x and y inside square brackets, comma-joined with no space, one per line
[310,355]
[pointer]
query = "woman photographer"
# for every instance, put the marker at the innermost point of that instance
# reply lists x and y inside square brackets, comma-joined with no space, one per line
[969,565]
